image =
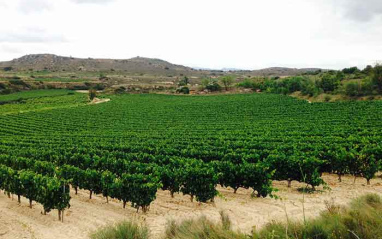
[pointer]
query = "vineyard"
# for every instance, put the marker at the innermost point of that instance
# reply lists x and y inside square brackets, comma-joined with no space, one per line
[134,145]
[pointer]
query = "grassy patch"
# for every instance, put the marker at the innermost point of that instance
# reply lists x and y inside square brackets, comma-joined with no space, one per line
[202,228]
[122,230]
[362,219]
[33,94]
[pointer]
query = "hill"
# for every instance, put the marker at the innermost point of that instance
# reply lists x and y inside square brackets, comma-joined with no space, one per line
[40,62]
[280,71]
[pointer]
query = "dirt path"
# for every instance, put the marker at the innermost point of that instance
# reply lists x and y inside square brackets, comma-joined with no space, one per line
[84,216]
[98,101]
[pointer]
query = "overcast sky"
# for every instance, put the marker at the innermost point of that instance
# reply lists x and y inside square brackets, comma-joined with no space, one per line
[248,34]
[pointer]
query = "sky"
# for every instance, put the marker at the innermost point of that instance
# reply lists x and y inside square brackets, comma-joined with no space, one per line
[244,34]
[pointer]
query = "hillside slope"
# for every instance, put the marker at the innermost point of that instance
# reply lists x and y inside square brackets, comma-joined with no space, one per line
[142,65]
[38,62]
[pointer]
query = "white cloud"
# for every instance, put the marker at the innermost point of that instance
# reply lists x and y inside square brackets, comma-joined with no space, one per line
[215,33]
[10,49]
[31,6]
[362,10]
[93,1]
[30,35]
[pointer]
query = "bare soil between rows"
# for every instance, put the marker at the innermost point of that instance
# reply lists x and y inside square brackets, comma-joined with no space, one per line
[86,215]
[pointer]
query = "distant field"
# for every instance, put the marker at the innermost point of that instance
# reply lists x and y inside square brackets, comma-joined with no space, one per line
[33,94]
[59,80]
[39,100]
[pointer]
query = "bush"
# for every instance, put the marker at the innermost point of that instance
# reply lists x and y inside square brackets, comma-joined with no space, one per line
[211,85]
[99,86]
[328,83]
[184,81]
[227,81]
[352,89]
[122,230]
[368,70]
[377,77]
[351,70]
[247,84]
[5,91]
[120,90]
[183,90]
[214,86]
[17,81]
[309,88]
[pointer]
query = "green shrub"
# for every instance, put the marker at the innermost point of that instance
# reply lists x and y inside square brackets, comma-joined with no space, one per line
[213,86]
[17,81]
[247,84]
[352,89]
[377,77]
[351,70]
[329,83]
[120,90]
[183,90]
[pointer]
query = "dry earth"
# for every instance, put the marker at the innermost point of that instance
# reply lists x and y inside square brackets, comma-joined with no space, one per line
[84,216]
[99,101]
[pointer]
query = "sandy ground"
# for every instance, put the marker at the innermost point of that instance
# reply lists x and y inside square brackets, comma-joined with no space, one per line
[84,216]
[98,100]
[86,91]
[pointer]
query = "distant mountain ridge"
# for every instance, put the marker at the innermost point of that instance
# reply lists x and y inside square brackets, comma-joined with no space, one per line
[39,62]
[62,63]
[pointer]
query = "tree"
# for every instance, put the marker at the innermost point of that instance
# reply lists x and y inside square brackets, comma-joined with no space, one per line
[339,161]
[92,94]
[329,83]
[199,180]
[286,167]
[93,182]
[351,70]
[184,81]
[107,180]
[231,176]
[143,189]
[368,70]
[310,170]
[377,77]
[170,175]
[27,179]
[352,89]
[257,176]
[227,81]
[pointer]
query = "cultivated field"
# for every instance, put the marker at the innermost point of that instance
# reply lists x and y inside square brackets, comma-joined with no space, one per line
[139,149]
